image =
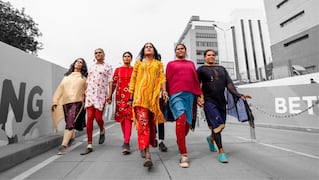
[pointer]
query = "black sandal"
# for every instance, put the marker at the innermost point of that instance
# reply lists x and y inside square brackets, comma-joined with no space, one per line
[87,151]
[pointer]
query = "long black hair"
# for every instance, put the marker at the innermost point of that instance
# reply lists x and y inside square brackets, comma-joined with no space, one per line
[156,54]
[127,52]
[84,70]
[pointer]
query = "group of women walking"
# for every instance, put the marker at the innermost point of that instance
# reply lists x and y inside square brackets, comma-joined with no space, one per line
[138,92]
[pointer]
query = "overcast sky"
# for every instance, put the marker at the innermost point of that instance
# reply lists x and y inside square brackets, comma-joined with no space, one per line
[75,28]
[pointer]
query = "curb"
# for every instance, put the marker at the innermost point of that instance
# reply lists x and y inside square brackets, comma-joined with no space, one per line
[14,154]
[279,126]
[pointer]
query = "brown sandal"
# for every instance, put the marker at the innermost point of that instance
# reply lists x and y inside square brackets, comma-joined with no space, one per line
[148,162]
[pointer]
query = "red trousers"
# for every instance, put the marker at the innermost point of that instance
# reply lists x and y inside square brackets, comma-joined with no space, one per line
[182,129]
[146,132]
[92,114]
[126,126]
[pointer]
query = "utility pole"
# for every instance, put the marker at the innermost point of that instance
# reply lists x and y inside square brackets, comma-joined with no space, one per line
[225,39]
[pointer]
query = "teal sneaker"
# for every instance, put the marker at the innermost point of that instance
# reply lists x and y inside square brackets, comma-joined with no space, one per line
[222,158]
[211,145]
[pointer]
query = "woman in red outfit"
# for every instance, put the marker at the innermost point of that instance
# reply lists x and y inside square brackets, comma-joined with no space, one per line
[182,92]
[123,110]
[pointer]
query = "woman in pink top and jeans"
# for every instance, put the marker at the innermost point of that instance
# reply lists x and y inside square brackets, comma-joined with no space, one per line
[183,86]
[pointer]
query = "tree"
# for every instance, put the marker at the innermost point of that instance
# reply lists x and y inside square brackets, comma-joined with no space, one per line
[18,29]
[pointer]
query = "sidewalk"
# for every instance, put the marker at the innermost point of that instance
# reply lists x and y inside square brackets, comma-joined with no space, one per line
[14,154]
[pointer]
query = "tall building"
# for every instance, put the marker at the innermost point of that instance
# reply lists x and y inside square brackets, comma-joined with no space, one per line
[200,35]
[294,35]
[242,46]
[251,45]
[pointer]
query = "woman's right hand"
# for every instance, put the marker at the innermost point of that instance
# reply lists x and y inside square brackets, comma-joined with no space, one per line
[53,107]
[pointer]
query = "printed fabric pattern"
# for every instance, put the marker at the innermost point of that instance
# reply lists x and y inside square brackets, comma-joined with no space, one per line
[121,81]
[99,77]
[145,84]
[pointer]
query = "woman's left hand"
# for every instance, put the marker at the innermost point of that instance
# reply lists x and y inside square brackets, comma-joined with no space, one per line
[165,96]
[245,96]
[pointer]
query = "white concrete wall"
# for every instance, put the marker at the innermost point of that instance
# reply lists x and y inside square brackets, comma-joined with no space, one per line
[285,105]
[285,101]
[26,87]
[27,84]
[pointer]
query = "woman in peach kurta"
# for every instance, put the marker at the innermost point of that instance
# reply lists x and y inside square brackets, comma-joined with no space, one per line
[68,101]
[146,82]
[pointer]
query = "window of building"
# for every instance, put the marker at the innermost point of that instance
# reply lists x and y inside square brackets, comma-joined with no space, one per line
[281,4]
[296,40]
[204,27]
[206,44]
[200,53]
[292,19]
[205,35]
[200,61]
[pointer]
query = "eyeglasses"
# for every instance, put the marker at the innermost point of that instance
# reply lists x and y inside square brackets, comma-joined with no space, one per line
[98,52]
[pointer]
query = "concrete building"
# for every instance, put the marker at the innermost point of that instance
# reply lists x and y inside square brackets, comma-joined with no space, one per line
[251,45]
[294,35]
[200,35]
[242,46]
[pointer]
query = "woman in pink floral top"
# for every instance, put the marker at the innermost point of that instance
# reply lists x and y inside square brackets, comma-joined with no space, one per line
[99,84]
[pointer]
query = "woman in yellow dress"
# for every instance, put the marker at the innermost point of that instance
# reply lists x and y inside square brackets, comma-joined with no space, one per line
[146,83]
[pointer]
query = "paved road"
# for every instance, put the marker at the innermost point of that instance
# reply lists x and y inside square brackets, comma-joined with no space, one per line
[275,154]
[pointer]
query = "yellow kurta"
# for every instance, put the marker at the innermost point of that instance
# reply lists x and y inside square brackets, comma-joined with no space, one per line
[145,84]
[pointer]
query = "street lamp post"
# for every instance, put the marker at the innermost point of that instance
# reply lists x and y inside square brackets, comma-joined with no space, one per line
[224,32]
[238,75]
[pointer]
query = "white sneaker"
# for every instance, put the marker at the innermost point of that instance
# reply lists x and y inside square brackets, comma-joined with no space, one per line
[183,162]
